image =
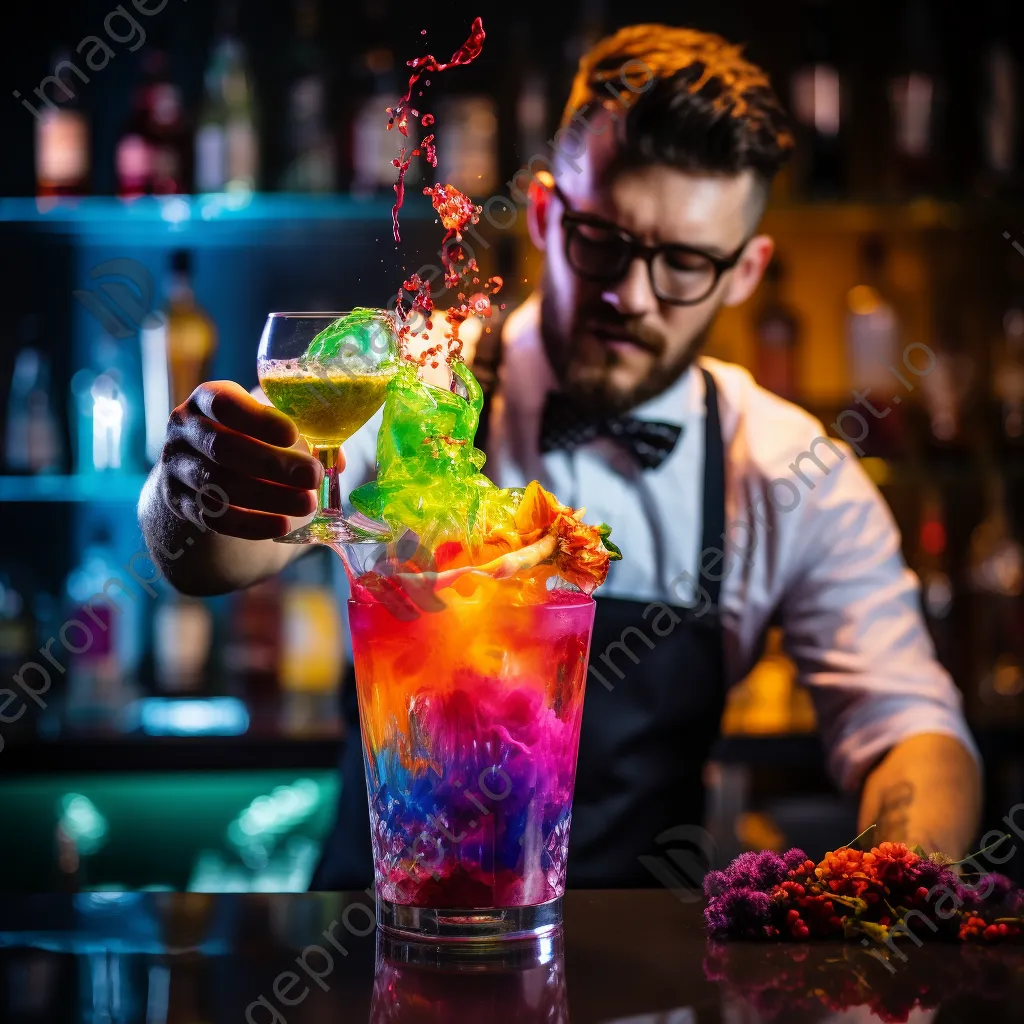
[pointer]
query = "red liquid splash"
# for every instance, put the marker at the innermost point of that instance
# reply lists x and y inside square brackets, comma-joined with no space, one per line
[399,113]
[430,150]
[456,212]
[403,165]
[478,304]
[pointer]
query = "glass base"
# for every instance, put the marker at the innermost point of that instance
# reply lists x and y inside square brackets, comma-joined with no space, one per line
[501,955]
[335,528]
[484,929]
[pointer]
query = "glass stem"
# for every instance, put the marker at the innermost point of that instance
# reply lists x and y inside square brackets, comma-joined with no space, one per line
[329,495]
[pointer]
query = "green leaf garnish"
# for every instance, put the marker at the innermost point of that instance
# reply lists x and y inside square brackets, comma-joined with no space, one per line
[613,552]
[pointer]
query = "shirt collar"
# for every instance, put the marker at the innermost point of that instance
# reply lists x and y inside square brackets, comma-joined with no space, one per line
[527,376]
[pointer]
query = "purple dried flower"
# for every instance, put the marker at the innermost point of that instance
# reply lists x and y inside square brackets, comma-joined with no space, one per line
[1001,886]
[715,883]
[971,895]
[929,874]
[976,889]
[715,919]
[762,870]
[794,858]
[738,912]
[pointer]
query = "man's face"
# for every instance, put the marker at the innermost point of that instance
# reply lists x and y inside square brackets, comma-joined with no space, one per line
[615,344]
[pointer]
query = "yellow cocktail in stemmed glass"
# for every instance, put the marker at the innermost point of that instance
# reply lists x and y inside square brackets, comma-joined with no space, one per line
[328,373]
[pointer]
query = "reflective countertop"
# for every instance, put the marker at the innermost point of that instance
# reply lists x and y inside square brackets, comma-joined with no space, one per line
[623,956]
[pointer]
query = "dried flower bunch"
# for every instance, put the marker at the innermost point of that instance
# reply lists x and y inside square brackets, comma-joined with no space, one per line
[881,894]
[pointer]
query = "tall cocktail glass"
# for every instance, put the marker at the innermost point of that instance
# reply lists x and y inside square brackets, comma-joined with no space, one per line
[470,706]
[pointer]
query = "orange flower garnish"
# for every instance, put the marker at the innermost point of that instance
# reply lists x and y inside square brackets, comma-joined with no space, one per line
[583,553]
[543,531]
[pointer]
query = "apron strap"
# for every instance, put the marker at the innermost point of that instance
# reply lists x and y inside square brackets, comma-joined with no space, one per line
[713,529]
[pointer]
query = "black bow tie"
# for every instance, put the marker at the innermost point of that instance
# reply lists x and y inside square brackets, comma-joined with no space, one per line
[564,428]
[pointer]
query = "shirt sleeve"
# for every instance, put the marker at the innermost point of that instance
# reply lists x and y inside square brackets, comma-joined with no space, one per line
[853,625]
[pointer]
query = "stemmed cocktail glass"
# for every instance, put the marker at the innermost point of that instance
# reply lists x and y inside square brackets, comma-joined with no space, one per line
[328,373]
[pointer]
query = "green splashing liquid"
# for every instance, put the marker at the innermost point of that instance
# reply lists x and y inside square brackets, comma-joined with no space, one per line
[429,475]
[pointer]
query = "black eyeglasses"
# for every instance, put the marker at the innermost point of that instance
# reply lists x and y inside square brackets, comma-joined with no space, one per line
[599,251]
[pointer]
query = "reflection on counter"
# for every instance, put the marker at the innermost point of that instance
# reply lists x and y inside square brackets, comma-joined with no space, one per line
[420,984]
[625,957]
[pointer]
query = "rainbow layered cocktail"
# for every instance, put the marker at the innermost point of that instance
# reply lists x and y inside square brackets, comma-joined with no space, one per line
[470,636]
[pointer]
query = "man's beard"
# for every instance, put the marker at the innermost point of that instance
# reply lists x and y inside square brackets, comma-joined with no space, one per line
[589,385]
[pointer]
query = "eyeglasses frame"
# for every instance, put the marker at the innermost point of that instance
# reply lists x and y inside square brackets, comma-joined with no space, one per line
[572,218]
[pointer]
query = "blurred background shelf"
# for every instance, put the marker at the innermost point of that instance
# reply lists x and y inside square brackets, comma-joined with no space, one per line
[202,219]
[178,211]
[115,487]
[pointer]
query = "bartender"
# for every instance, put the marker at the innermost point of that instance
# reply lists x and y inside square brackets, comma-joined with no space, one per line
[731,506]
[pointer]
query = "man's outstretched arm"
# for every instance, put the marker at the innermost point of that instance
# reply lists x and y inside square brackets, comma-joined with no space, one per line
[228,481]
[926,790]
[890,715]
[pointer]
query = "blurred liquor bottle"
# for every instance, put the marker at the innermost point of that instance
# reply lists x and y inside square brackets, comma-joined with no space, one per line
[817,99]
[103,418]
[17,636]
[769,700]
[177,348]
[877,373]
[312,653]
[371,145]
[153,153]
[947,390]
[999,120]
[916,103]
[931,563]
[468,155]
[252,653]
[227,139]
[949,386]
[62,134]
[311,164]
[1008,378]
[182,638]
[777,330]
[103,635]
[997,619]
[33,442]
[532,114]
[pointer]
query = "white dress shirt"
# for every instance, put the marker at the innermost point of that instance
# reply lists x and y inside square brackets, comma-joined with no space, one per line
[809,546]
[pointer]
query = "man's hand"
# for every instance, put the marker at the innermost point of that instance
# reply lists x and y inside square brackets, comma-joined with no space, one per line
[230,466]
[232,473]
[926,791]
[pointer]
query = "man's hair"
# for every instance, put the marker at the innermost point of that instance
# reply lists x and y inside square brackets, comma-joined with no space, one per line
[695,103]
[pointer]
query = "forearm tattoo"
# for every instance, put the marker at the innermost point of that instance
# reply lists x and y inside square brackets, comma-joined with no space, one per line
[893,812]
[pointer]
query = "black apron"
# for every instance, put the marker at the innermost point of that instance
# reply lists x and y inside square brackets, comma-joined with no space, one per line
[647,727]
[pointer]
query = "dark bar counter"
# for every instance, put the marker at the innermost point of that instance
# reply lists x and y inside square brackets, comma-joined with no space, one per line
[623,956]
